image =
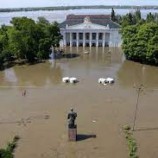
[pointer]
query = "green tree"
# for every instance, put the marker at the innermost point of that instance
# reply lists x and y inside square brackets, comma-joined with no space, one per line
[50,33]
[8,152]
[156,17]
[43,21]
[24,38]
[128,19]
[137,16]
[5,54]
[150,18]
[44,48]
[28,40]
[54,34]
[140,43]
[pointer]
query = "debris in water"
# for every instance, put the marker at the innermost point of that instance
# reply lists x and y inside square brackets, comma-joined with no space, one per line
[94,121]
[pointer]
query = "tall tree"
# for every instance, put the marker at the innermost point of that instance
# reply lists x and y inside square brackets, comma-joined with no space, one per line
[138,15]
[28,40]
[50,36]
[113,16]
[24,38]
[140,42]
[150,17]
[5,54]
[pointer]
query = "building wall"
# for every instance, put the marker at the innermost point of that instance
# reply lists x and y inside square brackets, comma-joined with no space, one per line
[112,37]
[115,39]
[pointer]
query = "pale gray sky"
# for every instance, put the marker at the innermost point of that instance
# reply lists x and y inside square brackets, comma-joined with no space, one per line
[43,3]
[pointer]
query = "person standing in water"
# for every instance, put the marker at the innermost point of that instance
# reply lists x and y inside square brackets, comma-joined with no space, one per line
[24,93]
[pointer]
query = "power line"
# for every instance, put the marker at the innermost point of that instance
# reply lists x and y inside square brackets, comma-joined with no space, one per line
[139,90]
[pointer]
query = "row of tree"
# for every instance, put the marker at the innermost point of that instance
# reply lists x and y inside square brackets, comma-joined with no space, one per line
[30,40]
[27,39]
[133,18]
[140,36]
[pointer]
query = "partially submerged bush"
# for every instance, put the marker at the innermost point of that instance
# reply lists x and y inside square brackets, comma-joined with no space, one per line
[8,152]
[132,145]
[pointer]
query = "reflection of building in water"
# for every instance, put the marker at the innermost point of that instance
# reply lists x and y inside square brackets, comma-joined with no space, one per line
[10,76]
[90,30]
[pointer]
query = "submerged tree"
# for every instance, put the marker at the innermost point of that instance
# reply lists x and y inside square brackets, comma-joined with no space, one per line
[28,40]
[140,43]
[8,152]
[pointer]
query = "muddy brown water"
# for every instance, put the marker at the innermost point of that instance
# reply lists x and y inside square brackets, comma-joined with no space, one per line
[40,116]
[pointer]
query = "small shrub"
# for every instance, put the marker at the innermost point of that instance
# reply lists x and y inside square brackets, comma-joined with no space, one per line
[132,145]
[8,152]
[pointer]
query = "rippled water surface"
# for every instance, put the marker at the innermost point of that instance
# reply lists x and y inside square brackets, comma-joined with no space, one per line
[39,117]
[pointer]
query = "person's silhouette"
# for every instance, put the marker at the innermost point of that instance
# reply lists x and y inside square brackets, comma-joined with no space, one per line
[71,118]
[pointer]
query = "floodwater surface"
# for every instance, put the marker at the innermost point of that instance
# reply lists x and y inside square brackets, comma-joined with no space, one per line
[39,116]
[60,15]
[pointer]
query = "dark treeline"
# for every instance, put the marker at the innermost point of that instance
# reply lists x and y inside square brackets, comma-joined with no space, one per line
[140,36]
[76,7]
[28,40]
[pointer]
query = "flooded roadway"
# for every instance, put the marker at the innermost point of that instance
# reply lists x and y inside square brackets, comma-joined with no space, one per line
[40,117]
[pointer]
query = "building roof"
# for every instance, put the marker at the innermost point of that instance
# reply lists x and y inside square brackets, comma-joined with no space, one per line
[96,19]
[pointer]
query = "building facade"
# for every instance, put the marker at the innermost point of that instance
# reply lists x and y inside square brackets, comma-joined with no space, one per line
[90,30]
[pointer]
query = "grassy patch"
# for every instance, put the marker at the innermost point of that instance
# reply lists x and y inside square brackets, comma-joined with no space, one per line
[9,150]
[132,145]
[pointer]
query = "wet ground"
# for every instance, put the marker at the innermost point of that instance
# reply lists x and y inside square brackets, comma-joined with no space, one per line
[39,116]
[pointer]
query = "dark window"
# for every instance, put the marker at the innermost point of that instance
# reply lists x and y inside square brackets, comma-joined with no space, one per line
[74,36]
[80,44]
[74,44]
[93,44]
[93,36]
[100,44]
[80,36]
[68,43]
[87,36]
[100,36]
[87,44]
[106,44]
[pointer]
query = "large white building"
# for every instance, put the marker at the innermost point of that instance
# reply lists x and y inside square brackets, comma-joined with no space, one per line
[90,30]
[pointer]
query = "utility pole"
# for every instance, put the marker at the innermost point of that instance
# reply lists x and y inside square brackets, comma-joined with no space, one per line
[139,90]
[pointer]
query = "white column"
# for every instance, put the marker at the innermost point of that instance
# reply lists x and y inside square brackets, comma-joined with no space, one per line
[96,54]
[77,39]
[84,41]
[70,39]
[97,39]
[64,38]
[111,41]
[103,44]
[90,39]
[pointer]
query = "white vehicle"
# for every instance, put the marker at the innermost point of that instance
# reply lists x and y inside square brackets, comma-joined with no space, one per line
[65,79]
[101,80]
[109,80]
[104,81]
[73,80]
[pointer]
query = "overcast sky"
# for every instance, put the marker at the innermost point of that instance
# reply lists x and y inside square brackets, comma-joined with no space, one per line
[43,3]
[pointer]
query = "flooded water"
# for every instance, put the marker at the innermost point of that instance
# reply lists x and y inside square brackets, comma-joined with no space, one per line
[60,15]
[40,116]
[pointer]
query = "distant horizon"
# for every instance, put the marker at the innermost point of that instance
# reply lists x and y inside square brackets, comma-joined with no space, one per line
[59,3]
[81,6]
